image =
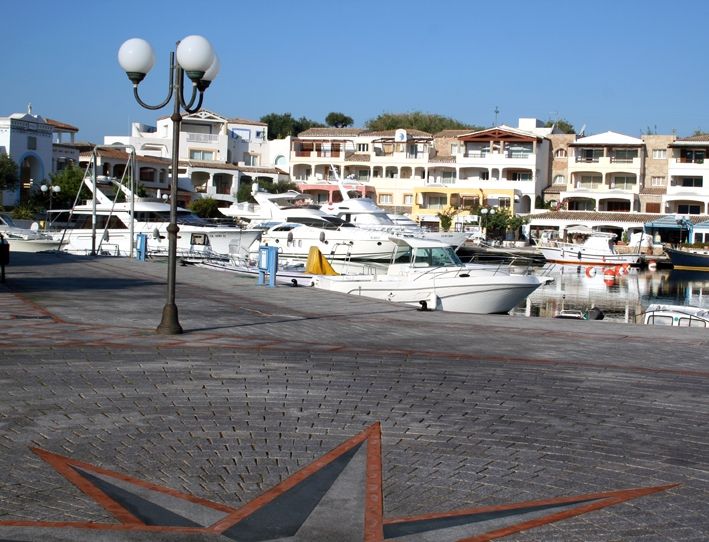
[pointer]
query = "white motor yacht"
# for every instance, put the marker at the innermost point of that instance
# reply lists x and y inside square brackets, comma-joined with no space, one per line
[26,239]
[597,248]
[428,274]
[149,216]
[335,238]
[364,213]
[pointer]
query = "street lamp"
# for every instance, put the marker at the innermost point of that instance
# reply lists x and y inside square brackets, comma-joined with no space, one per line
[196,58]
[50,189]
[484,212]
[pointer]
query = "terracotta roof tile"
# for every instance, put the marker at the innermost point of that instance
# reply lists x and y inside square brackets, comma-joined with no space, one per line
[61,125]
[595,216]
[331,132]
[358,157]
[443,159]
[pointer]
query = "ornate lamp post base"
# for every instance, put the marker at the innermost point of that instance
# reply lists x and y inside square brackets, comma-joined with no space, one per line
[169,325]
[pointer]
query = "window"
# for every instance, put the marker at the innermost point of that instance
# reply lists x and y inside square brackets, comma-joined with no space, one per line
[408,199]
[657,181]
[694,156]
[693,182]
[448,177]
[259,134]
[560,153]
[437,202]
[362,147]
[454,149]
[521,176]
[470,202]
[504,202]
[689,209]
[589,155]
[559,179]
[623,182]
[484,175]
[201,155]
[659,154]
[386,199]
[590,182]
[652,207]
[624,155]
[32,143]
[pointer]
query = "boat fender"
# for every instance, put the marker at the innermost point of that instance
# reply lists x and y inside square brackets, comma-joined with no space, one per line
[578,255]
[322,236]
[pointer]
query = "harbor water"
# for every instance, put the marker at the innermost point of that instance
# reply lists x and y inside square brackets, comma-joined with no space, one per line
[622,294]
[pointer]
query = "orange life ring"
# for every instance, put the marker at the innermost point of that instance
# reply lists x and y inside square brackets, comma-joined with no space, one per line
[590,271]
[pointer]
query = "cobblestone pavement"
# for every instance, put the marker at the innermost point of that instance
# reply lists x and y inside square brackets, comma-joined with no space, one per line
[474,410]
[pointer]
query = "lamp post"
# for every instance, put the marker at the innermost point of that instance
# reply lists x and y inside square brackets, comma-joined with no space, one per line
[196,59]
[49,188]
[485,211]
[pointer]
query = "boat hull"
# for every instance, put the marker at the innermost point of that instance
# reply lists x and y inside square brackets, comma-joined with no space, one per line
[32,245]
[579,256]
[688,261]
[483,294]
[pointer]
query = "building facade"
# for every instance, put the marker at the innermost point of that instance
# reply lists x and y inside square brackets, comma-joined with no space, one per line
[216,154]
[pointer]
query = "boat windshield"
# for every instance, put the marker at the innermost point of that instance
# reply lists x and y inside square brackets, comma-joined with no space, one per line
[432,257]
[372,219]
[322,222]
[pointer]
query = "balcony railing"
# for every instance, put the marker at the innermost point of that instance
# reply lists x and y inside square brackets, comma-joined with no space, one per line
[202,138]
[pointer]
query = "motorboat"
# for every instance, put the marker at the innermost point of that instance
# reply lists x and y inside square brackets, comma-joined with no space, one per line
[334,237]
[26,239]
[690,259]
[271,207]
[103,226]
[364,213]
[676,315]
[429,275]
[598,248]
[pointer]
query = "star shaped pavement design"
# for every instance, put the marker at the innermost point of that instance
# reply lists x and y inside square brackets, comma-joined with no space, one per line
[336,497]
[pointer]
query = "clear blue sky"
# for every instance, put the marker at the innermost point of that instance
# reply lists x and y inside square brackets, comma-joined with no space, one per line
[623,65]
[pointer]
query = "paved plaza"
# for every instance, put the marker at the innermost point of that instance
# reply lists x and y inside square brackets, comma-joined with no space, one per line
[297,414]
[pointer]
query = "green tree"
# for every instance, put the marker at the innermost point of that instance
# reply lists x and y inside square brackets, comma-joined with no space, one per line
[8,173]
[206,208]
[562,124]
[417,120]
[282,125]
[338,120]
[446,217]
[70,181]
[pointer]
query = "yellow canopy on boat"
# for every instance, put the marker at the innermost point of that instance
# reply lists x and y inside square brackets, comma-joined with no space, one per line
[317,264]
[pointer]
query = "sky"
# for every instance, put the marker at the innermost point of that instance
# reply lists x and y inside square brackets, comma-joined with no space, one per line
[630,66]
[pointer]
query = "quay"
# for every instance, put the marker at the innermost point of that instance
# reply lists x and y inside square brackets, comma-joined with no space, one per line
[291,413]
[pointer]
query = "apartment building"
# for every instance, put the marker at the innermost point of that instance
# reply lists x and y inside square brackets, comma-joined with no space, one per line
[419,173]
[498,167]
[216,153]
[688,176]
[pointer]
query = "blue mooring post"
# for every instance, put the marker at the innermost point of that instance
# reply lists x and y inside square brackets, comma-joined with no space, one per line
[267,263]
[4,256]
[141,246]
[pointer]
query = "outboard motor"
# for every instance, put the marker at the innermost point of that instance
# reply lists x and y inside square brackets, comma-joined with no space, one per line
[594,313]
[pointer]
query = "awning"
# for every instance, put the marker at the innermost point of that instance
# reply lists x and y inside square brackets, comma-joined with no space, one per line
[668,222]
